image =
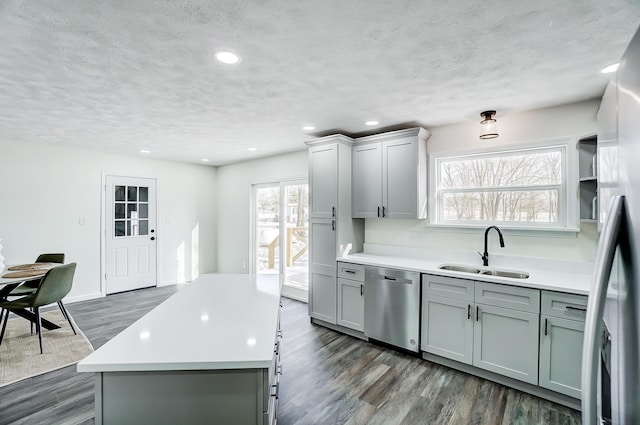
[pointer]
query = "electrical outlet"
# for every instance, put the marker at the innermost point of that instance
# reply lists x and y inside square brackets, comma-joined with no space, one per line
[82,221]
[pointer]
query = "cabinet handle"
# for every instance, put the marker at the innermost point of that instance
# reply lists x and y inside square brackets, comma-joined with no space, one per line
[361,290]
[468,311]
[349,271]
[570,307]
[277,390]
[477,314]
[333,211]
[390,278]
[333,225]
[383,211]
[378,211]
[546,321]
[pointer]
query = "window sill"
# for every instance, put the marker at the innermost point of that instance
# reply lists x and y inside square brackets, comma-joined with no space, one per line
[513,230]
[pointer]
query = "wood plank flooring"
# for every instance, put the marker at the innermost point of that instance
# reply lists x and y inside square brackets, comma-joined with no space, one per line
[328,378]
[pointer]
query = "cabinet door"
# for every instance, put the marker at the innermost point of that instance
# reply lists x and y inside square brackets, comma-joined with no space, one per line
[351,304]
[561,355]
[322,270]
[400,178]
[447,328]
[323,181]
[366,191]
[506,342]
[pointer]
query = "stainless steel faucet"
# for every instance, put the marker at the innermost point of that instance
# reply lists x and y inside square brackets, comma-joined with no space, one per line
[485,255]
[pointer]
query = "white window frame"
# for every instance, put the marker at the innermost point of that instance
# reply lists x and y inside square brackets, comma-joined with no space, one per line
[568,195]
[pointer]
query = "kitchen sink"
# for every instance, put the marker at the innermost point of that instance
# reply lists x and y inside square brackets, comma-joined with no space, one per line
[457,268]
[504,273]
[489,272]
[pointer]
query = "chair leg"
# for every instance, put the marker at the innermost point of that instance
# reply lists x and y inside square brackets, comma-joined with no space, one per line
[65,313]
[39,327]
[31,322]
[3,321]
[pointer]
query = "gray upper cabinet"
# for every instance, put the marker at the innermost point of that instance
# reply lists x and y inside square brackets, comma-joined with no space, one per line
[323,181]
[332,231]
[367,181]
[390,175]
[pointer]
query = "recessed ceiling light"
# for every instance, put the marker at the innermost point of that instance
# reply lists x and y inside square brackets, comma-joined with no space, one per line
[144,151]
[204,160]
[227,57]
[252,149]
[308,128]
[371,123]
[611,68]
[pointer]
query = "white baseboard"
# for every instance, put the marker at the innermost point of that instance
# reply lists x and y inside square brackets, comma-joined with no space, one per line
[85,297]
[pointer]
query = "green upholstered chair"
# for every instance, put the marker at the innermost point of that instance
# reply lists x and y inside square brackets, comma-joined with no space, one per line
[55,285]
[30,286]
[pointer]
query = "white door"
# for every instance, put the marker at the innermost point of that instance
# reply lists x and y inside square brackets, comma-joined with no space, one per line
[281,234]
[130,232]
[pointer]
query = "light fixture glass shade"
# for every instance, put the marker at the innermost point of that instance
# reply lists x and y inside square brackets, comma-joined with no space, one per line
[488,126]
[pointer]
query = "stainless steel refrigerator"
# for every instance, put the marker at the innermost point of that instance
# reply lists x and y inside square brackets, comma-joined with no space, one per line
[611,353]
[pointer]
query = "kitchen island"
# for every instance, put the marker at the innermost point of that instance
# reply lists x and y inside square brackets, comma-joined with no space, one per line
[209,354]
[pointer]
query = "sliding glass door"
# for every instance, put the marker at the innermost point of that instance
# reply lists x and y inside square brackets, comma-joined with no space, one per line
[281,234]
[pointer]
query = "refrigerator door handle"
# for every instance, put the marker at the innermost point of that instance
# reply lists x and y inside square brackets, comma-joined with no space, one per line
[595,310]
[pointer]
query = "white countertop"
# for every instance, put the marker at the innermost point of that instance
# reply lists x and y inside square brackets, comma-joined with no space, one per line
[217,322]
[574,283]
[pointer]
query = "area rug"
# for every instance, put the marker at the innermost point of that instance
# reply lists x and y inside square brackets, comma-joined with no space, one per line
[20,356]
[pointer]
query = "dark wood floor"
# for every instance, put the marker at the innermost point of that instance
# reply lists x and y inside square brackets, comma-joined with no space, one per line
[328,378]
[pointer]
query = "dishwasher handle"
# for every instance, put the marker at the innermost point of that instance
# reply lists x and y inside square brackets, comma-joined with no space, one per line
[390,278]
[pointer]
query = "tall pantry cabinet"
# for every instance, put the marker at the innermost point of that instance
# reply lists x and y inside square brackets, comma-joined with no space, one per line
[332,231]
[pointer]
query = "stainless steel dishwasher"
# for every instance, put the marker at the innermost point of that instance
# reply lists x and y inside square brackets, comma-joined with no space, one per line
[392,307]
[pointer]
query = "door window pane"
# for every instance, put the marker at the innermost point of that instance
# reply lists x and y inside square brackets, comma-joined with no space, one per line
[132,193]
[119,210]
[143,194]
[268,229]
[143,228]
[143,211]
[119,228]
[119,193]
[132,211]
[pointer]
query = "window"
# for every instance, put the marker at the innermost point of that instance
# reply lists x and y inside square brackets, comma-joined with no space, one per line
[514,188]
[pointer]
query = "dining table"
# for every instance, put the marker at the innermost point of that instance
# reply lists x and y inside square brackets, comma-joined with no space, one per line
[11,277]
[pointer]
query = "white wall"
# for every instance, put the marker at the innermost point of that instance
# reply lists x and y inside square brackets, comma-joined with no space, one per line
[576,120]
[234,193]
[45,189]
[234,202]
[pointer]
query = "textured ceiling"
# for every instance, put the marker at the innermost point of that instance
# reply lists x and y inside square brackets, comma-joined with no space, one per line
[126,75]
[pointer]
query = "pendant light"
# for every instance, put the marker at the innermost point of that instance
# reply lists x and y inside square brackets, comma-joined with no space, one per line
[488,127]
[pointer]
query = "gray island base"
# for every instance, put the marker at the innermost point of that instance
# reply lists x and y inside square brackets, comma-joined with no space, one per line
[208,355]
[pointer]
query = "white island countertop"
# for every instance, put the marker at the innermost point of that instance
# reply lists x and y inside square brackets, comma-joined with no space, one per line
[551,280]
[219,321]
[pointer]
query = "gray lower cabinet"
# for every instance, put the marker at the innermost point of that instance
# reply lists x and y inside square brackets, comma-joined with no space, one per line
[505,341]
[447,328]
[561,337]
[487,325]
[351,296]
[351,304]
